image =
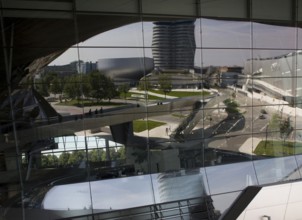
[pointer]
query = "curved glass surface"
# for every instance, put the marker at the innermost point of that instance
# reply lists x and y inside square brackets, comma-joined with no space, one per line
[145,115]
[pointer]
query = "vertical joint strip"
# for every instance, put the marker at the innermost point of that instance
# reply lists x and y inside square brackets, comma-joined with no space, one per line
[8,70]
[248,9]
[198,9]
[294,12]
[4,46]
[140,8]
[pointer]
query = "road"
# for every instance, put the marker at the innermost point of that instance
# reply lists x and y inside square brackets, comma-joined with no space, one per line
[218,131]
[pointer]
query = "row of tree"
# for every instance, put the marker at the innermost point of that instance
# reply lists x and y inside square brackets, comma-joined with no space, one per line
[92,85]
[163,83]
[231,107]
[280,126]
[69,159]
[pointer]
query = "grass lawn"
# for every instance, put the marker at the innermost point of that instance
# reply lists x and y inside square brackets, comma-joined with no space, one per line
[87,103]
[128,95]
[278,148]
[141,125]
[181,94]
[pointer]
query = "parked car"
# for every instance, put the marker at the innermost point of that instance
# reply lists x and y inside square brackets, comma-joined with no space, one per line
[262,116]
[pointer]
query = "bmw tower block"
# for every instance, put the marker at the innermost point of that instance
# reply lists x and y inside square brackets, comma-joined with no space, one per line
[173,45]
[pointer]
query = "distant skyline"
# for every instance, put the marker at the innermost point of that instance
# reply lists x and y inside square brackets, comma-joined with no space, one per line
[222,42]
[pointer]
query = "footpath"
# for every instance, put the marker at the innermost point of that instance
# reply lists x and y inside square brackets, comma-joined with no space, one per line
[134,90]
[276,105]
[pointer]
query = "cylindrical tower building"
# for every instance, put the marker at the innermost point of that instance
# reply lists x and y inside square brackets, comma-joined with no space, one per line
[173,45]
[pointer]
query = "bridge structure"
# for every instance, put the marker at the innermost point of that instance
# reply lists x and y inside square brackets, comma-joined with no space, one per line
[116,125]
[69,125]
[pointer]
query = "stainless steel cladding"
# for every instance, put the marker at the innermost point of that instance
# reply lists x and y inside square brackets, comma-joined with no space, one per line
[276,75]
[125,68]
[173,44]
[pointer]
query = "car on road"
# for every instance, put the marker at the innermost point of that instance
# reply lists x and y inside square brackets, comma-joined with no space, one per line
[262,116]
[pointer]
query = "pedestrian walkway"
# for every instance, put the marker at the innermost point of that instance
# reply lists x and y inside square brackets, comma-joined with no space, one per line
[163,131]
[250,145]
[134,90]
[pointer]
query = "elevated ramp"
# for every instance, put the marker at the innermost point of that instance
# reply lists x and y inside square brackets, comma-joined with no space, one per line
[199,111]
[64,126]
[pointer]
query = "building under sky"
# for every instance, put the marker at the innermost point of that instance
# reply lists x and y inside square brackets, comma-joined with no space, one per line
[173,45]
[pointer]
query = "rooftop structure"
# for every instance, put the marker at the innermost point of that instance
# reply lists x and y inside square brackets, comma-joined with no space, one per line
[276,76]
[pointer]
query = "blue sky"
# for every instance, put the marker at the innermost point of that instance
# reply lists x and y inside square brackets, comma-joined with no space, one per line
[223,42]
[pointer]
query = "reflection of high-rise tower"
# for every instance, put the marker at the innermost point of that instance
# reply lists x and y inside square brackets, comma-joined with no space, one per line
[193,201]
[173,45]
[173,185]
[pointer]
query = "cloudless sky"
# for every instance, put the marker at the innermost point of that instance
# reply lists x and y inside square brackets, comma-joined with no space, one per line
[222,43]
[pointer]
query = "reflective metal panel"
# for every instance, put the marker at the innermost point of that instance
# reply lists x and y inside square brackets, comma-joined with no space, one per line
[276,170]
[231,177]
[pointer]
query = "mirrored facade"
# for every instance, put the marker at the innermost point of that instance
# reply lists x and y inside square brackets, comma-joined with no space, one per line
[151,115]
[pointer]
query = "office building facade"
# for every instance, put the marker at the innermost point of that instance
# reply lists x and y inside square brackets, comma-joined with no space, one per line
[173,45]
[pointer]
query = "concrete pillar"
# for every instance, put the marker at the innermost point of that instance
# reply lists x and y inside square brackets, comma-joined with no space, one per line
[2,163]
[11,161]
[108,158]
[36,160]
[12,166]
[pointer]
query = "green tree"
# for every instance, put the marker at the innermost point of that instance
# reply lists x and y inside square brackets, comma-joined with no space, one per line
[63,159]
[97,82]
[41,87]
[72,88]
[140,155]
[85,85]
[45,161]
[165,84]
[102,87]
[274,123]
[285,128]
[49,77]
[124,89]
[144,84]
[121,151]
[57,86]
[113,154]
[76,157]
[50,82]
[96,155]
[53,160]
[231,107]
[111,92]
[49,160]
[118,153]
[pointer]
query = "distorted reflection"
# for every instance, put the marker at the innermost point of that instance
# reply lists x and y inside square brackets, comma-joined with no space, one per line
[185,118]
